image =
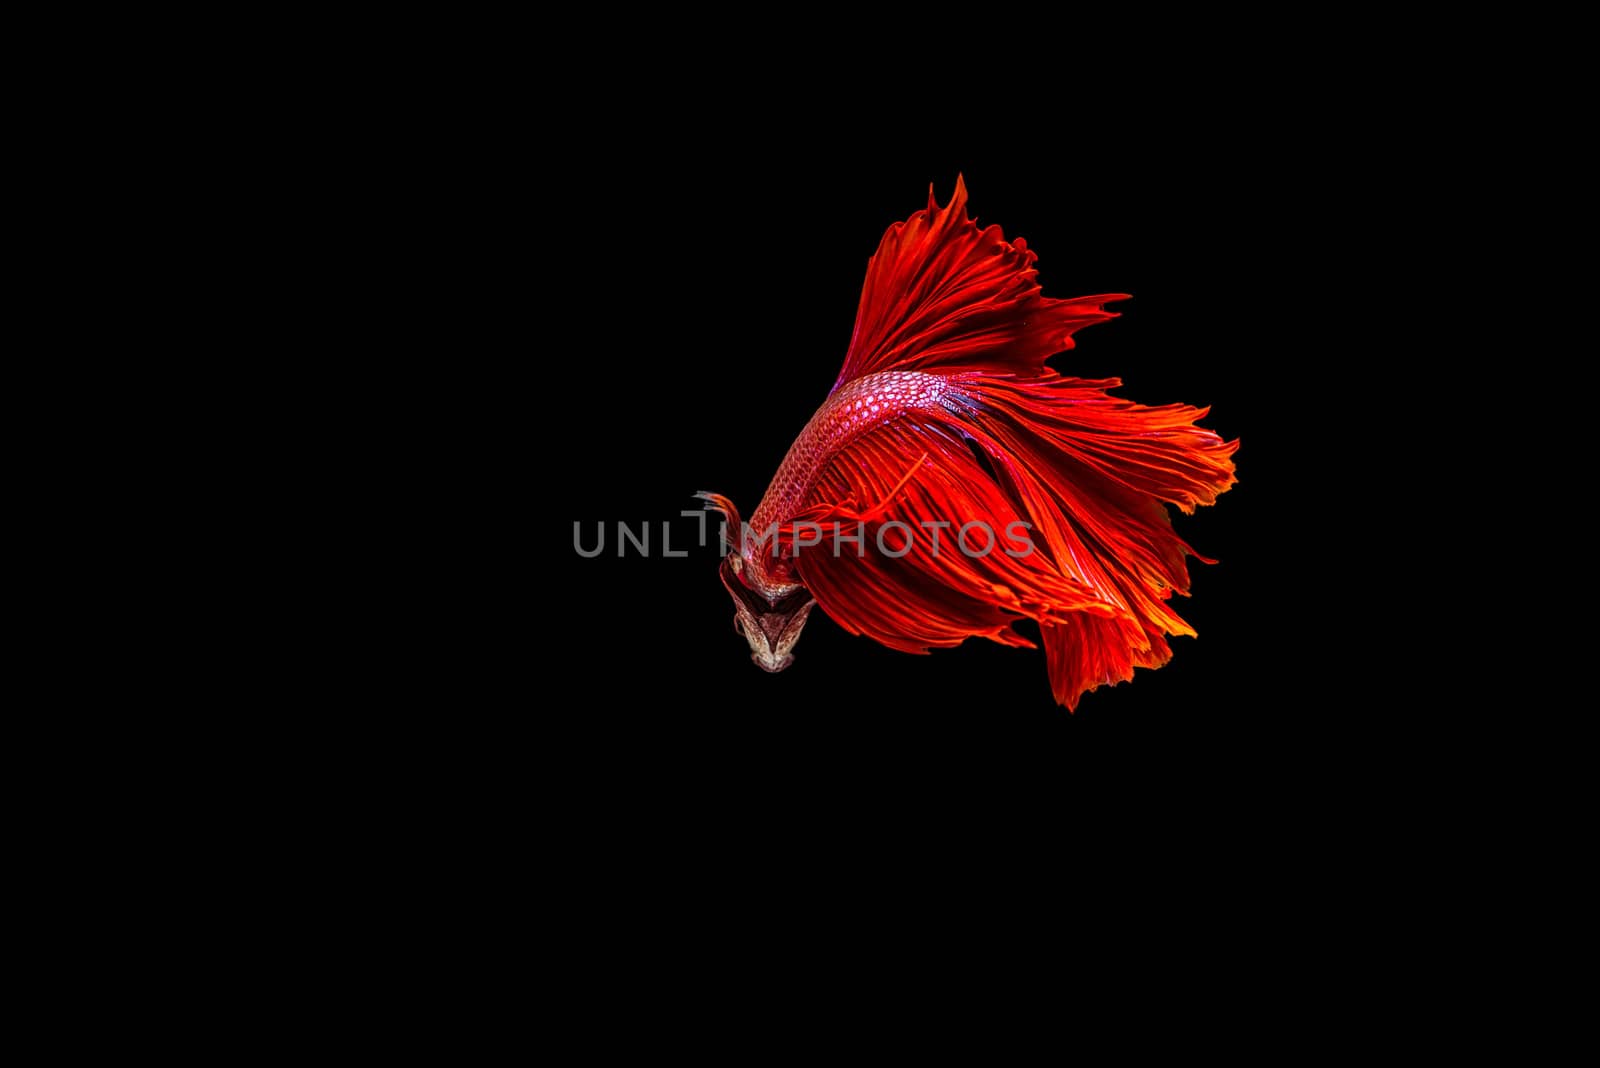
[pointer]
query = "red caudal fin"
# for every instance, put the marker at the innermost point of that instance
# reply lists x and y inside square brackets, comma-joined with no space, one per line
[1096,473]
[940,292]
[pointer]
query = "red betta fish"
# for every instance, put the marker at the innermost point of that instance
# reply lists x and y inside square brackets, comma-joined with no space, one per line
[953,483]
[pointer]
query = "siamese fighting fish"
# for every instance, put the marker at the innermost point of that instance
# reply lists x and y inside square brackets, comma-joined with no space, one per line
[953,483]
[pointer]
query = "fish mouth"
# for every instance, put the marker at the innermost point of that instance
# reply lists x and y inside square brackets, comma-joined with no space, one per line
[769,661]
[770,627]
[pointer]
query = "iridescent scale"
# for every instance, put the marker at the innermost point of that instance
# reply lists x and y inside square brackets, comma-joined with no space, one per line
[854,409]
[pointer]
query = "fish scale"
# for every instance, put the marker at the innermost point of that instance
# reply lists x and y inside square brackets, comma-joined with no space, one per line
[854,409]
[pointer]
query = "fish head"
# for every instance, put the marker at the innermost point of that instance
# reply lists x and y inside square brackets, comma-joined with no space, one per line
[771,624]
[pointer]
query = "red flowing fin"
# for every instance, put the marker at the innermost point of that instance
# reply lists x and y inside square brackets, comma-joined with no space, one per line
[1087,652]
[909,583]
[941,293]
[1095,473]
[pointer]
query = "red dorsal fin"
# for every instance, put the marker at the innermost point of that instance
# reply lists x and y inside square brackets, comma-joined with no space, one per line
[941,293]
